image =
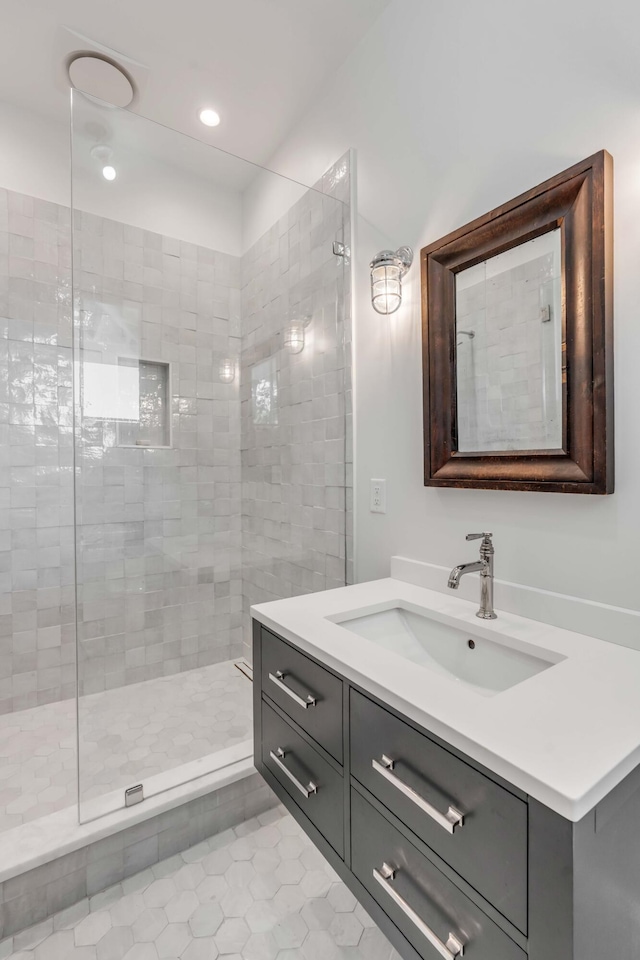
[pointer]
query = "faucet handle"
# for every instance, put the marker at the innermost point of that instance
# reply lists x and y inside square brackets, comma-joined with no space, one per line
[478,536]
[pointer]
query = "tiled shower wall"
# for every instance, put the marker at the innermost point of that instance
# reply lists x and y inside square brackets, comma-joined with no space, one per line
[159,529]
[296,472]
[170,541]
[37,639]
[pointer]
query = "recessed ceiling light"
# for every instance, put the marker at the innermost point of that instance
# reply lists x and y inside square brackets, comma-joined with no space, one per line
[103,153]
[209,117]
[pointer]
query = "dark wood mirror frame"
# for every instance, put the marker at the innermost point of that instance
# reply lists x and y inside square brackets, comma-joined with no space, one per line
[579,202]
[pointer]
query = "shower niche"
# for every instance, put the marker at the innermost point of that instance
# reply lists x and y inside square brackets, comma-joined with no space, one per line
[150,426]
[128,399]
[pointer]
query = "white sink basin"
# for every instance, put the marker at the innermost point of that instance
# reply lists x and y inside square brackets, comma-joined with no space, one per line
[486,666]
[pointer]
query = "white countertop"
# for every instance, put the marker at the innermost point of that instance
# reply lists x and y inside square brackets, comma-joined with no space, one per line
[566,736]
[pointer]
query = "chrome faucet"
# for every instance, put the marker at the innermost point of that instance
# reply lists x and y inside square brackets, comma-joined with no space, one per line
[483,566]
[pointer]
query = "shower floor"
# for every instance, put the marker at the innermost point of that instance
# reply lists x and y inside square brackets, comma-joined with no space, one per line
[126,735]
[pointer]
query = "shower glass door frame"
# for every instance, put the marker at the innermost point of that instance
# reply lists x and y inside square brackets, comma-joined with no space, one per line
[210,442]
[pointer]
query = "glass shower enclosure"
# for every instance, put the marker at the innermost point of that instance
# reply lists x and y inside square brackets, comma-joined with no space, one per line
[210,450]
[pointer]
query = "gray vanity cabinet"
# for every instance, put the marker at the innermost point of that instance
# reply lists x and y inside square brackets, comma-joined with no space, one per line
[304,774]
[287,677]
[449,859]
[489,848]
[417,881]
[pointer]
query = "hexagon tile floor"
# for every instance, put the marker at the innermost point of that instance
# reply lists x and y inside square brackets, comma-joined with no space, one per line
[126,734]
[258,892]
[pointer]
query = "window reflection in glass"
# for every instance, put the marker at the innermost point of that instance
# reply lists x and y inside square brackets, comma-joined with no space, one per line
[264,392]
[131,395]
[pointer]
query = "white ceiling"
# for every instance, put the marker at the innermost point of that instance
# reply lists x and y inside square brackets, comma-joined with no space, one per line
[258,62]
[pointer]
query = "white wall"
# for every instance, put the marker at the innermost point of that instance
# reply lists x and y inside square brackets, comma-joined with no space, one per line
[454,108]
[34,155]
[148,193]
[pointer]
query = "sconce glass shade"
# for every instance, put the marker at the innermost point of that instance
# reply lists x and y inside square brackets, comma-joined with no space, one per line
[227,371]
[294,336]
[386,288]
[387,271]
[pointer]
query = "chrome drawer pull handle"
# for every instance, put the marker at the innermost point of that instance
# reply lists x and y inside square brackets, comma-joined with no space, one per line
[448,821]
[277,758]
[278,679]
[449,950]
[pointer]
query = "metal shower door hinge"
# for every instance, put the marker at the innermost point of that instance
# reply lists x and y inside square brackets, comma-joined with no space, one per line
[133,795]
[341,250]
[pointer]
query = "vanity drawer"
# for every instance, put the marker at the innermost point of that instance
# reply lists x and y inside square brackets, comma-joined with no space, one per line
[417,893]
[306,692]
[309,780]
[489,848]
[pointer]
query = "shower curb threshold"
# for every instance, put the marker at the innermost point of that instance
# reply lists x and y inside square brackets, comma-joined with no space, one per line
[41,841]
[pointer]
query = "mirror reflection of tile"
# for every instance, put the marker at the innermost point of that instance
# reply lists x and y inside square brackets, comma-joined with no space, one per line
[509,349]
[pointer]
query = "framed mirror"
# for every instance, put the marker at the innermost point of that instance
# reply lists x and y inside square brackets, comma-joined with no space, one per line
[517,342]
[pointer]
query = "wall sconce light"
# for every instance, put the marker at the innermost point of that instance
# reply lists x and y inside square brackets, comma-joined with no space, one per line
[294,335]
[387,270]
[227,371]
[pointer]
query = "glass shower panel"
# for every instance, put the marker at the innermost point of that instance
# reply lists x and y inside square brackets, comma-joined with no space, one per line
[209,438]
[293,387]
